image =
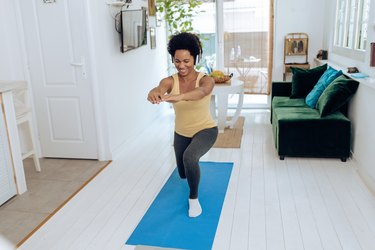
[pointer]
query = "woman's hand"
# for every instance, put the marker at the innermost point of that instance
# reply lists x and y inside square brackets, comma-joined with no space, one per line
[154,96]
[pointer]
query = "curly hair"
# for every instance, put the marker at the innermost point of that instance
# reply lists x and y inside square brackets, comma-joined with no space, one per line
[186,41]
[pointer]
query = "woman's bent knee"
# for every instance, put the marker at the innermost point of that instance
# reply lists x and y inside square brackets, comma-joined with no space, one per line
[190,161]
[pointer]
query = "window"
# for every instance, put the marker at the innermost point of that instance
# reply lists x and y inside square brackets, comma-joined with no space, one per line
[236,35]
[351,26]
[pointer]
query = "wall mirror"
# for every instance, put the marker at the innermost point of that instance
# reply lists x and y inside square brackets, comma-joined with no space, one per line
[133,29]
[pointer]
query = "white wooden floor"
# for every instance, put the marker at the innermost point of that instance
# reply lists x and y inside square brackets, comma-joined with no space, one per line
[298,203]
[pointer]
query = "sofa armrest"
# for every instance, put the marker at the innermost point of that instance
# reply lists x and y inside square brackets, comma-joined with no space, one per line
[281,89]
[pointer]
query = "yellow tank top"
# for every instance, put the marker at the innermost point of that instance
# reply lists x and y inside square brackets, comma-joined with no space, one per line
[191,116]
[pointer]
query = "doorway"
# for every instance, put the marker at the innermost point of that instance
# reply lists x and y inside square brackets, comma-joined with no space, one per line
[57,50]
[237,37]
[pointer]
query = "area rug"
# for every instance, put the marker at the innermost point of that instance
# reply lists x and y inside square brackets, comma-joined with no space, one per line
[166,222]
[231,138]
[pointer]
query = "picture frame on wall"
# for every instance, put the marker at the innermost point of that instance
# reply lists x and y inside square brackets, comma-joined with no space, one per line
[151,8]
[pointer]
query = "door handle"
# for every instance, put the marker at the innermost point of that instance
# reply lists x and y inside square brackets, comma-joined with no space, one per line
[82,65]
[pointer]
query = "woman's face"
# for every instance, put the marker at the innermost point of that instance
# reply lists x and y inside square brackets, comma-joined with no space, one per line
[183,61]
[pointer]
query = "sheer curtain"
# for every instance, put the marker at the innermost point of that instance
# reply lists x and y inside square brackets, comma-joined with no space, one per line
[248,29]
[237,37]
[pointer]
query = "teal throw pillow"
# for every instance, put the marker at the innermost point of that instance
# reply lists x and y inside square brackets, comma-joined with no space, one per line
[303,80]
[336,95]
[328,76]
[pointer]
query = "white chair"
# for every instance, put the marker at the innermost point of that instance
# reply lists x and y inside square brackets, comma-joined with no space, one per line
[25,125]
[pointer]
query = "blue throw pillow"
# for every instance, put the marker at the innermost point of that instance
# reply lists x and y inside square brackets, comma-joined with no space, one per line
[328,76]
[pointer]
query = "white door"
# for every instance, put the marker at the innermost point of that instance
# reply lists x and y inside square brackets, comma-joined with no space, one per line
[57,50]
[7,183]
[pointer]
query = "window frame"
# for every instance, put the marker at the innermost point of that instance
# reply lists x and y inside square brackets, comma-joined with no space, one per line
[348,28]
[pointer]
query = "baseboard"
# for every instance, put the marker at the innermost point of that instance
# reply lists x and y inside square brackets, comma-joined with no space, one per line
[364,175]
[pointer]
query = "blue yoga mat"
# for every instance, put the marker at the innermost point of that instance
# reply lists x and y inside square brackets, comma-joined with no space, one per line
[167,224]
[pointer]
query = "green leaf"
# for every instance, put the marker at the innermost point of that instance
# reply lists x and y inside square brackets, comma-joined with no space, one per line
[179,14]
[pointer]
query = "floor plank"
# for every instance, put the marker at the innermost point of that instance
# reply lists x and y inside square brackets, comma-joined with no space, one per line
[310,234]
[338,218]
[328,236]
[298,203]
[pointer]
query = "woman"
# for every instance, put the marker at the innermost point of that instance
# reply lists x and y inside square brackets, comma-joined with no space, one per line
[190,93]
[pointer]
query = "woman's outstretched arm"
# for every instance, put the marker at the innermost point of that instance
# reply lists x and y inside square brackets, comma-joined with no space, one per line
[155,96]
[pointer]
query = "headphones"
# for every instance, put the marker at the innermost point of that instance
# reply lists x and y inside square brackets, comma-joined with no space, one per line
[198,58]
[188,38]
[199,45]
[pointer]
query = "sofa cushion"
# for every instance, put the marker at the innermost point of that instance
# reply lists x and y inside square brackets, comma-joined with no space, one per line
[304,80]
[336,95]
[305,114]
[328,76]
[284,101]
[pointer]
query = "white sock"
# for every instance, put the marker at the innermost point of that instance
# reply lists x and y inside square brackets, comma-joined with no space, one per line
[195,208]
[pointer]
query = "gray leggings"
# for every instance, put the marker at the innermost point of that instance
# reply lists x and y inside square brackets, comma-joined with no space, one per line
[188,152]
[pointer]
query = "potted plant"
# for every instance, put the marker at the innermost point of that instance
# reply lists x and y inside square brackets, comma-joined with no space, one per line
[178,14]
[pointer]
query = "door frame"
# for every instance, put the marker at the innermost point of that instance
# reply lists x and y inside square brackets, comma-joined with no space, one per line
[220,49]
[104,153]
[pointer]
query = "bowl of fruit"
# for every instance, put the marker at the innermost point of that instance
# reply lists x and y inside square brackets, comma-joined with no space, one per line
[220,77]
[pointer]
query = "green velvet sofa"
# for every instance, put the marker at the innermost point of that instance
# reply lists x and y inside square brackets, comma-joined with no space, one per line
[301,131]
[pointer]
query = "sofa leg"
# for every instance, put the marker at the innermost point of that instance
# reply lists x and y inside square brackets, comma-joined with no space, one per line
[343,159]
[282,157]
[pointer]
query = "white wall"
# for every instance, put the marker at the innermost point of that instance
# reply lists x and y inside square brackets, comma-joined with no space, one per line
[292,16]
[122,79]
[362,105]
[363,120]
[12,56]
[363,135]
[11,63]
[125,78]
